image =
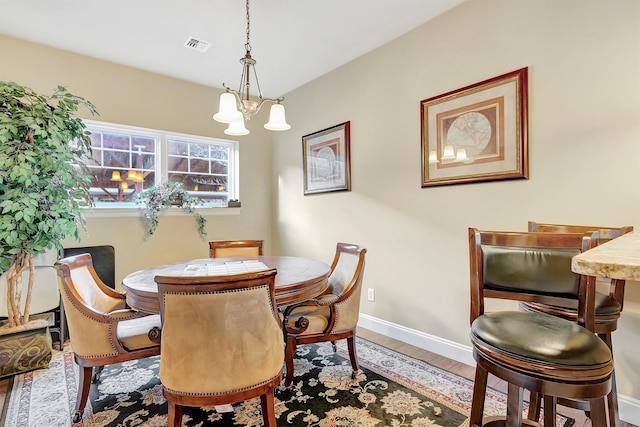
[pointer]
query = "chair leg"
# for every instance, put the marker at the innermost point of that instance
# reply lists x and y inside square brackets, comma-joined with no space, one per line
[97,371]
[598,412]
[479,391]
[335,347]
[550,411]
[174,414]
[84,384]
[534,406]
[351,344]
[289,353]
[514,406]
[267,403]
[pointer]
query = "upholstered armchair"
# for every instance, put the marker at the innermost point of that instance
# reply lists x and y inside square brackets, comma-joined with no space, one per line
[103,330]
[235,248]
[221,341]
[334,314]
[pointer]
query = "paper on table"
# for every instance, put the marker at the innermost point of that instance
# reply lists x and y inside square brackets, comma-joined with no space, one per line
[235,267]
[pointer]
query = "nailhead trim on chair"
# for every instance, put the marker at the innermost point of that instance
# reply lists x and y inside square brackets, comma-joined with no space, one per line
[227,291]
[226,391]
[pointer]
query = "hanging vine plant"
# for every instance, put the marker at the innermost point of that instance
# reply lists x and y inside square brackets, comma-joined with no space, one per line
[166,195]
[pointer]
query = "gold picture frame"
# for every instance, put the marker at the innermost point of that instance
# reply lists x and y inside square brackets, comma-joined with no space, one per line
[476,133]
[326,160]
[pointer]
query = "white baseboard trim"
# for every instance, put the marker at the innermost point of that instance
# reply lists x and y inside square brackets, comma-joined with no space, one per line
[629,408]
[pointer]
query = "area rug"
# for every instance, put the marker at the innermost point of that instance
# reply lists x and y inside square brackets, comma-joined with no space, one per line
[391,390]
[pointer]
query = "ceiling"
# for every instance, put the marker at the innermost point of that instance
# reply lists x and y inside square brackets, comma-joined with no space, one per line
[293,41]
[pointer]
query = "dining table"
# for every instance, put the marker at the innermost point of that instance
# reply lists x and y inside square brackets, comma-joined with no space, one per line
[298,279]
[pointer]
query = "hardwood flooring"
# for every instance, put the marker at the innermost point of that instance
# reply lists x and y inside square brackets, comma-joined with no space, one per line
[417,353]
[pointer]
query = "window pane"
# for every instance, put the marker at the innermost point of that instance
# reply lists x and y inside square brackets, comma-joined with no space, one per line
[124,163]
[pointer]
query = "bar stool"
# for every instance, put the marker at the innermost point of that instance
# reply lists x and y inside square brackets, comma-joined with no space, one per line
[548,355]
[607,309]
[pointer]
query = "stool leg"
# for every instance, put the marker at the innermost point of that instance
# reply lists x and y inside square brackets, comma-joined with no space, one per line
[598,412]
[612,397]
[479,391]
[534,406]
[550,411]
[514,406]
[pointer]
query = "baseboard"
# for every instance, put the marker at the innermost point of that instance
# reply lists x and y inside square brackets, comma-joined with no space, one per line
[629,408]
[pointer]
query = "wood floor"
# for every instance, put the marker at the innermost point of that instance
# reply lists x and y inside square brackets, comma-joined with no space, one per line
[417,353]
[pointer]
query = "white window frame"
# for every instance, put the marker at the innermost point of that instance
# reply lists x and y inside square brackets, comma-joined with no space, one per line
[161,148]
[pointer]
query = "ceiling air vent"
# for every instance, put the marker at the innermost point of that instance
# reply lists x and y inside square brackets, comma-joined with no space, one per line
[197,44]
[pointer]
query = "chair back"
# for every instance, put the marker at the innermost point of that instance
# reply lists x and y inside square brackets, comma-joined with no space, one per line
[345,281]
[604,233]
[533,267]
[86,301]
[220,334]
[235,248]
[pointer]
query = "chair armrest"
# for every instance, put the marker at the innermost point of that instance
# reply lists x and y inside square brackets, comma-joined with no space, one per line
[298,327]
[155,335]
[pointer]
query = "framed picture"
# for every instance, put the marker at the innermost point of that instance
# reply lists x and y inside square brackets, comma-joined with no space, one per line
[326,160]
[477,133]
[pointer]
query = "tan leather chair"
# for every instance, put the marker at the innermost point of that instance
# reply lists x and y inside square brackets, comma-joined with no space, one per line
[334,314]
[608,306]
[235,248]
[548,355]
[221,341]
[103,330]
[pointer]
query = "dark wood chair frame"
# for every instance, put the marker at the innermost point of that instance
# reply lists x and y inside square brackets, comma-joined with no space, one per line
[293,334]
[591,383]
[120,353]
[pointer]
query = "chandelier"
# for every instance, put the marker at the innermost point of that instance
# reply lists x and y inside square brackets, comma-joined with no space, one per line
[236,106]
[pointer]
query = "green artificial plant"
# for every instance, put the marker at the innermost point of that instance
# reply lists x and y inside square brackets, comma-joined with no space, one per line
[162,196]
[44,183]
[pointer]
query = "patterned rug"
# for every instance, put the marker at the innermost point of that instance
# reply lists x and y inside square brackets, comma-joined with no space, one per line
[391,390]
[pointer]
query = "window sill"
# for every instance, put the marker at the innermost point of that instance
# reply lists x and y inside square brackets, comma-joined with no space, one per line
[126,211]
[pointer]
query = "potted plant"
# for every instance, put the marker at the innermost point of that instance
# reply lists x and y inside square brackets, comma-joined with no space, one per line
[44,183]
[163,196]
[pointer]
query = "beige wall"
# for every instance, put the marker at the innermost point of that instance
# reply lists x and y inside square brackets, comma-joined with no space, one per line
[584,129]
[129,96]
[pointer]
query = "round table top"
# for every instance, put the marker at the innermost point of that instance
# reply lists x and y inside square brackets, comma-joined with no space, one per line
[298,279]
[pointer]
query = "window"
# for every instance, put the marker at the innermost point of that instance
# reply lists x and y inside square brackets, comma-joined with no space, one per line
[126,160]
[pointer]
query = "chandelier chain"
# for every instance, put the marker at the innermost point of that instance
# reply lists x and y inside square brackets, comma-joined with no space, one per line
[247,45]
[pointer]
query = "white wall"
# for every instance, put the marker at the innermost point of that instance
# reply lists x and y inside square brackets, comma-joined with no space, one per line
[584,134]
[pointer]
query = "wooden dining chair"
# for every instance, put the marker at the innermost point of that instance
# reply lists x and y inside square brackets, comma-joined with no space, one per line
[103,331]
[221,341]
[334,314]
[235,248]
[545,354]
[608,306]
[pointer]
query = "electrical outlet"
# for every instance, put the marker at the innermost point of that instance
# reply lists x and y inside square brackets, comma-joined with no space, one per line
[371,294]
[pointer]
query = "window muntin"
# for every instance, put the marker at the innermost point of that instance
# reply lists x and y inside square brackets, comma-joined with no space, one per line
[127,160]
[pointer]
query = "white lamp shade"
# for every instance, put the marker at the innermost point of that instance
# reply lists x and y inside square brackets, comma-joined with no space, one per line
[236,128]
[277,119]
[227,111]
